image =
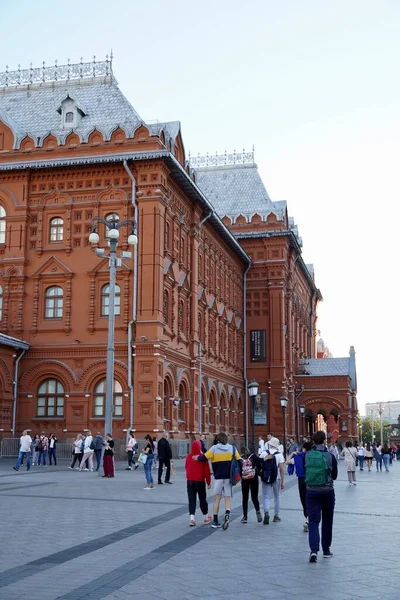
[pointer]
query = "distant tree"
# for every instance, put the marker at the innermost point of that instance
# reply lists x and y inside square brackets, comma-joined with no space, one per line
[367,430]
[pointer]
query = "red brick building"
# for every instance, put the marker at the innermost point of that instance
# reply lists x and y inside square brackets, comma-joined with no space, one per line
[73,148]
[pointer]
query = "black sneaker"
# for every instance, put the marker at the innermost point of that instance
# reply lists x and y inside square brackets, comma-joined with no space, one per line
[225,524]
[136,466]
[215,525]
[328,554]
[313,557]
[259,517]
[15,469]
[276,519]
[266,519]
[244,520]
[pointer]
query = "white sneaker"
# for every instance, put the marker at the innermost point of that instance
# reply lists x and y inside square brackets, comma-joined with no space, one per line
[86,469]
[71,468]
[147,487]
[354,483]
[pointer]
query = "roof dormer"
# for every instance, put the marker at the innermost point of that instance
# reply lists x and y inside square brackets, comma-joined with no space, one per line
[71,113]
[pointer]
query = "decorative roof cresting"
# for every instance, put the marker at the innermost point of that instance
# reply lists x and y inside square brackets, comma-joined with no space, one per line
[220,160]
[43,74]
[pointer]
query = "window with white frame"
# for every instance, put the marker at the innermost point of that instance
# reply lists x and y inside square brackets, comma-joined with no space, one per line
[100,399]
[50,399]
[69,117]
[2,225]
[56,230]
[105,300]
[53,303]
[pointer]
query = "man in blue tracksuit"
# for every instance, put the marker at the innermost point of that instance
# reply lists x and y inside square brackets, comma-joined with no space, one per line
[320,498]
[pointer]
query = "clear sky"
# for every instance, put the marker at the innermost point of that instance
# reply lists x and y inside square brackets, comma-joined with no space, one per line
[313,84]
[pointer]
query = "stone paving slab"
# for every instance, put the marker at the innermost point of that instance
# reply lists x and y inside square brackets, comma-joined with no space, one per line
[110,539]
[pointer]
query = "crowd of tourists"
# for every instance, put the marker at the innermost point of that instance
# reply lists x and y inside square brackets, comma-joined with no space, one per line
[314,463]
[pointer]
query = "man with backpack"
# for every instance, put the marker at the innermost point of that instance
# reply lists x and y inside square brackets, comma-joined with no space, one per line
[272,476]
[321,471]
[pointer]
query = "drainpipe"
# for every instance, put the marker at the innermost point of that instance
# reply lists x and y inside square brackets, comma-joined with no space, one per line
[16,390]
[246,395]
[200,353]
[134,300]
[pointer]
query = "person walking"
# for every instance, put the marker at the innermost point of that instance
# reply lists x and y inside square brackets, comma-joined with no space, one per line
[98,443]
[88,451]
[386,453]
[203,442]
[35,453]
[149,451]
[272,488]
[197,476]
[108,457]
[249,467]
[41,448]
[76,452]
[25,442]
[298,459]
[361,456]
[52,449]
[131,447]
[350,462]
[321,471]
[368,455]
[164,458]
[155,462]
[221,454]
[378,457]
[261,444]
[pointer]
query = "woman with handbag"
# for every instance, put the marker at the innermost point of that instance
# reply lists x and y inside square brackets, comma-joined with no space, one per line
[108,458]
[350,460]
[146,457]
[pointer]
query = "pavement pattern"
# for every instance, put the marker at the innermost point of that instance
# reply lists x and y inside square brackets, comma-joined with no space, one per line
[75,536]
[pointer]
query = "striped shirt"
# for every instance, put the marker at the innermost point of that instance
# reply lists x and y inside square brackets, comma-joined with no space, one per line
[221,458]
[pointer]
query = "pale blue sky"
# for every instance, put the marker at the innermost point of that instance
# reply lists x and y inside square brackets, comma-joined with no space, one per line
[313,84]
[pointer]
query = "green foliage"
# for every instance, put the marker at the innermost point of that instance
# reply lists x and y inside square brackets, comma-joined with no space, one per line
[367,430]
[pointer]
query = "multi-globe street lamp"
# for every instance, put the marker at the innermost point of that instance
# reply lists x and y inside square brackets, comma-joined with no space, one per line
[113,225]
[302,412]
[284,403]
[253,393]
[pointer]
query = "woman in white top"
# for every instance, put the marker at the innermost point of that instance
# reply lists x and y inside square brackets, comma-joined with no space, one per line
[361,455]
[88,452]
[350,460]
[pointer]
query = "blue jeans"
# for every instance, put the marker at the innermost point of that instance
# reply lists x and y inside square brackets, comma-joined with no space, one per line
[320,503]
[386,459]
[43,454]
[379,463]
[147,468]
[21,455]
[361,462]
[52,454]
[98,459]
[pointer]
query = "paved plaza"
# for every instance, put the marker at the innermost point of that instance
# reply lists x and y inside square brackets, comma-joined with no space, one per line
[70,535]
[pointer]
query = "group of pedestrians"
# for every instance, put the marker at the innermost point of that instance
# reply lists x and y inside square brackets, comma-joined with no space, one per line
[36,451]
[153,450]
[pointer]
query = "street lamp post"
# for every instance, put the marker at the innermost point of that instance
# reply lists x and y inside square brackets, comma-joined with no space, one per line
[284,403]
[113,226]
[297,394]
[302,411]
[380,411]
[372,425]
[253,392]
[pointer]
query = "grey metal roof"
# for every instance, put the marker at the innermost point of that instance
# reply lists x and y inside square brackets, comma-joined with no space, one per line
[325,366]
[237,190]
[7,340]
[33,109]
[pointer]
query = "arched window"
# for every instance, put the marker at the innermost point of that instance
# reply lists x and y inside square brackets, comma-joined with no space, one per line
[111,217]
[100,399]
[105,301]
[166,307]
[1,302]
[56,230]
[69,117]
[53,303]
[50,399]
[2,225]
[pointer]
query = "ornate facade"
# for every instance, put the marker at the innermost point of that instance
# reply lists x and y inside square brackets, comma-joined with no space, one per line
[72,148]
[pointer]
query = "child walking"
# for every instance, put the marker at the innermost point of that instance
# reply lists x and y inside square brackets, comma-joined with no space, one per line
[248,471]
[197,475]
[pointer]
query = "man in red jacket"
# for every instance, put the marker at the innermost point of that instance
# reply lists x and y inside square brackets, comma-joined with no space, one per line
[197,475]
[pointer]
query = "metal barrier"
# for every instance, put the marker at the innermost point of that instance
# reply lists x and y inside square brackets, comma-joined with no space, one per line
[9,447]
[183,448]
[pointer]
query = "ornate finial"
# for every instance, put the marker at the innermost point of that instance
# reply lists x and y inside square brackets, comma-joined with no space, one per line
[55,63]
[94,58]
[111,55]
[68,61]
[81,60]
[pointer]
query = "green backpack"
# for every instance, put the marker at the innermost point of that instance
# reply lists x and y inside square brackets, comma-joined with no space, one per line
[317,468]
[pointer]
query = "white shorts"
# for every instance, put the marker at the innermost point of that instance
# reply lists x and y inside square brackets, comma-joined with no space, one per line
[222,487]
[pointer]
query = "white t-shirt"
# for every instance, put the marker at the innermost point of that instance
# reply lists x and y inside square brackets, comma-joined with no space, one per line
[260,447]
[361,451]
[278,457]
[25,443]
[88,441]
